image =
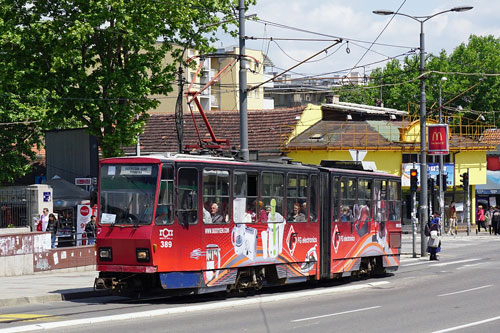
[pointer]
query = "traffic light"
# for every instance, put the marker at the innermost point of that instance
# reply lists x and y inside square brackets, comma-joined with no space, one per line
[464,179]
[413,180]
[444,181]
[430,184]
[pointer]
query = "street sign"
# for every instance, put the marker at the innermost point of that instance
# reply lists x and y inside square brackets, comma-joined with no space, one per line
[83,181]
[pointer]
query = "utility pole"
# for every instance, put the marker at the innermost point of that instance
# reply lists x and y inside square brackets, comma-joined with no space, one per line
[244,153]
[441,162]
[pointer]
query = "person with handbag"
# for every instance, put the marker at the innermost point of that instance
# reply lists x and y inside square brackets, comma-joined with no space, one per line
[434,240]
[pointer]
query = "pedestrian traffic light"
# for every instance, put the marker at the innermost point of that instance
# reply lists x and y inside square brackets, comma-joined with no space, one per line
[413,180]
[444,181]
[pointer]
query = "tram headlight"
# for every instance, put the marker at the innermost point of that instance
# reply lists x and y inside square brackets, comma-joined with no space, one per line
[105,254]
[142,255]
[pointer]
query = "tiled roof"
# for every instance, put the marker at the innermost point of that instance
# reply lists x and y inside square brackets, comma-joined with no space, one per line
[368,135]
[491,136]
[265,128]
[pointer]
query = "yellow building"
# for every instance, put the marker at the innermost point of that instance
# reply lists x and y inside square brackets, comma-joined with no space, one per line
[223,93]
[390,139]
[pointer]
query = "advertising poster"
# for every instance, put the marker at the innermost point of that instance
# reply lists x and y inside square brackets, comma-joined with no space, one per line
[438,139]
[83,217]
[432,172]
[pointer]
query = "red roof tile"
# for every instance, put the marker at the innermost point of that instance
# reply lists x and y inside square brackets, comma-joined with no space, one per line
[265,128]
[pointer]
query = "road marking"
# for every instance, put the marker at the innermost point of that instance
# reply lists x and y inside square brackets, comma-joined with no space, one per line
[192,308]
[470,265]
[455,262]
[466,290]
[21,316]
[336,314]
[467,325]
[416,263]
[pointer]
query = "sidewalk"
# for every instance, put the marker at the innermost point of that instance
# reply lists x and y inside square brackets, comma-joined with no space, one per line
[48,287]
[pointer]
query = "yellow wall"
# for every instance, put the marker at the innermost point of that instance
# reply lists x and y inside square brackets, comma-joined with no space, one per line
[227,90]
[310,116]
[475,161]
[387,161]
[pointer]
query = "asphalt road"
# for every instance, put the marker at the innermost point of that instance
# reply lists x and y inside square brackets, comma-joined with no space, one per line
[458,293]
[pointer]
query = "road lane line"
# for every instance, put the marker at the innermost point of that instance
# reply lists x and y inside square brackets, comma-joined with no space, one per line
[192,308]
[466,290]
[467,325]
[455,262]
[336,314]
[470,265]
[416,263]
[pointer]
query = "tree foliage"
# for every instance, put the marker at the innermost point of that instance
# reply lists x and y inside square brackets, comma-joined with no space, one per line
[94,63]
[473,92]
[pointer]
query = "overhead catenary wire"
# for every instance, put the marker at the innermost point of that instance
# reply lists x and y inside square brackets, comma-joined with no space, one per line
[296,65]
[378,36]
[283,26]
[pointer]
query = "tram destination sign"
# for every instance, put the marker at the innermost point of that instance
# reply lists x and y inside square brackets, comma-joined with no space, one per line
[83,181]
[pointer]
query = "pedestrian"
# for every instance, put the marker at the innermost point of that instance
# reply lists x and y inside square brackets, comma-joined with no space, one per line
[53,227]
[495,220]
[451,215]
[487,218]
[434,240]
[90,230]
[480,218]
[43,221]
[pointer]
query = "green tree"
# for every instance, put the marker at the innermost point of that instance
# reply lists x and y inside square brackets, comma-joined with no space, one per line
[96,63]
[401,86]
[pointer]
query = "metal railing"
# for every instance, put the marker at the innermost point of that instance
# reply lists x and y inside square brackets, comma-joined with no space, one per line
[377,135]
[14,208]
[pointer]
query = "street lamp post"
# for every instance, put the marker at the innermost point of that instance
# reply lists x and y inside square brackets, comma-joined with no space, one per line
[441,162]
[423,140]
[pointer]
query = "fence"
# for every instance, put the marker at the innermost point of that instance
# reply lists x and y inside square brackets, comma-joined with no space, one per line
[14,208]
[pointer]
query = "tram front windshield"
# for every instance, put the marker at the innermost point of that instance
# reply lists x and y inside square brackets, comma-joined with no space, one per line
[127,193]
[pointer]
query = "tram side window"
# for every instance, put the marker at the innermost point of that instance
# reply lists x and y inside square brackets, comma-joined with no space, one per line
[216,196]
[164,210]
[364,198]
[348,197]
[336,199]
[296,204]
[187,198]
[245,198]
[394,201]
[379,198]
[272,194]
[313,195]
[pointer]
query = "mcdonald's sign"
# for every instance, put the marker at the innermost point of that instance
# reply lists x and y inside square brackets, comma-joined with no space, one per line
[438,139]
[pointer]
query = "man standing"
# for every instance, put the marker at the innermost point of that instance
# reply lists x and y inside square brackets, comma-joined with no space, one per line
[451,215]
[90,229]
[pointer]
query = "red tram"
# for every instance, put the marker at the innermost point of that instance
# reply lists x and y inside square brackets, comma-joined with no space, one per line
[184,223]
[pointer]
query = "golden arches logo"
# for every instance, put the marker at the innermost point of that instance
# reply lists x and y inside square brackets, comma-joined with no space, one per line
[437,137]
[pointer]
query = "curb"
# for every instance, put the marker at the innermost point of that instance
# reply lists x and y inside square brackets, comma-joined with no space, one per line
[53,297]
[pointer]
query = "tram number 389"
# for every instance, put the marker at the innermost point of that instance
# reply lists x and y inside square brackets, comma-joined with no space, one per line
[166,244]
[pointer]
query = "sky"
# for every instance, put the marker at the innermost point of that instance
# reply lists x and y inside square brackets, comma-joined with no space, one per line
[353,21]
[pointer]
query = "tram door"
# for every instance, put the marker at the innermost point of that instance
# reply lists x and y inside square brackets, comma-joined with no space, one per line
[343,220]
